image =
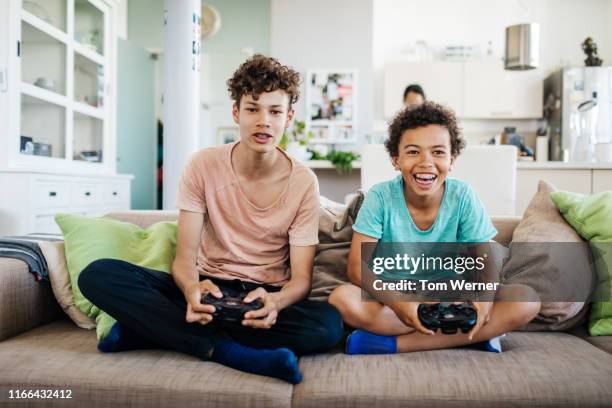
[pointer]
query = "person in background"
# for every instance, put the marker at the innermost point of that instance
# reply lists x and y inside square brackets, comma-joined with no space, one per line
[414,95]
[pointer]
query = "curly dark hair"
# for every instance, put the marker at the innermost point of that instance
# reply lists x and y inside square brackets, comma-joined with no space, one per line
[260,74]
[428,113]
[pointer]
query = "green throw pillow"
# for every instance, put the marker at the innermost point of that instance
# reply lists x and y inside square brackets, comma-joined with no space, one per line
[591,217]
[89,239]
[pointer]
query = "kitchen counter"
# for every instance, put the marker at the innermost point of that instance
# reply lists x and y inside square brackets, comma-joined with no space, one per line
[554,165]
[326,164]
[550,165]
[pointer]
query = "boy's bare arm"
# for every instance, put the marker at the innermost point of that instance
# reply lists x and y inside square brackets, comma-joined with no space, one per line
[298,287]
[184,270]
[355,256]
[188,238]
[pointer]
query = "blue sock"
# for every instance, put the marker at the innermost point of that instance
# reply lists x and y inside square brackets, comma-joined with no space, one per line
[110,343]
[120,338]
[363,342]
[279,363]
[493,345]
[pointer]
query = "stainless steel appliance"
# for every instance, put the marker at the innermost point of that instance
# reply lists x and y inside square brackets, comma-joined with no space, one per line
[567,92]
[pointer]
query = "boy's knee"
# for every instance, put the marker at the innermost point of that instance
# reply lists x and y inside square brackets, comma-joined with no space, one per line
[328,332]
[94,274]
[342,299]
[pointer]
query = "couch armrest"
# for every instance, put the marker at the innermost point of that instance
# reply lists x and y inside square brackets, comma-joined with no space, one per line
[505,226]
[144,218]
[24,302]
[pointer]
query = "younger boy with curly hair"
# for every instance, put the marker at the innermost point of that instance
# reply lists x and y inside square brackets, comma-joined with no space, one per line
[248,222]
[422,204]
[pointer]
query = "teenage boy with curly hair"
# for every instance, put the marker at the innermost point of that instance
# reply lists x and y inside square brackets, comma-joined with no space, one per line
[248,223]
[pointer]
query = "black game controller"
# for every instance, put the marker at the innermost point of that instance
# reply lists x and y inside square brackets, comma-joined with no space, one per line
[230,308]
[448,317]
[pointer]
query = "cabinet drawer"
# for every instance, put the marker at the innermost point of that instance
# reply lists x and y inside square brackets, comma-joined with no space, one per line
[86,194]
[45,223]
[115,193]
[51,195]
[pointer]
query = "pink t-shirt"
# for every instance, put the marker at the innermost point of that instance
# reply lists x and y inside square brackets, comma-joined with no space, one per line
[240,240]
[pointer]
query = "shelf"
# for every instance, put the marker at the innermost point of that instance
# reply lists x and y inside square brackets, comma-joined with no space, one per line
[332,141]
[43,94]
[326,164]
[88,110]
[89,54]
[328,122]
[43,26]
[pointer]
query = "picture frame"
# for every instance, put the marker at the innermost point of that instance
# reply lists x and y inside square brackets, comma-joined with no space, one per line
[331,105]
[227,134]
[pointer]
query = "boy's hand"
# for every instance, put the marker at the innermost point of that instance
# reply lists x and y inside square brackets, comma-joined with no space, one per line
[407,313]
[483,314]
[196,311]
[265,317]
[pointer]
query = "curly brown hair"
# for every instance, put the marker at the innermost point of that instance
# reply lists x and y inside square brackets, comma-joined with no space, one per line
[260,74]
[428,113]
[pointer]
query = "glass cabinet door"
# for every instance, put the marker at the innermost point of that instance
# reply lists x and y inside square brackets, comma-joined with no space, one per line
[88,138]
[43,59]
[89,26]
[42,128]
[88,81]
[50,11]
[63,80]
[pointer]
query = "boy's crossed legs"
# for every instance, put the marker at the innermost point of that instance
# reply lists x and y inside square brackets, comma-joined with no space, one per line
[377,318]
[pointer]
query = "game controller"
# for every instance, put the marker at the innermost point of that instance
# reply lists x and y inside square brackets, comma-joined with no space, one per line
[230,308]
[448,317]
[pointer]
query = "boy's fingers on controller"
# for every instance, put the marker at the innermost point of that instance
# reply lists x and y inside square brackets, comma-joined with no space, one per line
[255,294]
[210,287]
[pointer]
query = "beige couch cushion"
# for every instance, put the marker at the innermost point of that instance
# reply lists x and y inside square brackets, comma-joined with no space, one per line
[64,356]
[60,282]
[535,369]
[24,302]
[601,342]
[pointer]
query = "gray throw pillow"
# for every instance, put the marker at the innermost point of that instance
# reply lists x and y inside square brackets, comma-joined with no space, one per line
[335,234]
[550,257]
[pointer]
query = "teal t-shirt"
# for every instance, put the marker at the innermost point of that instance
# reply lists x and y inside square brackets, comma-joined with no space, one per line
[461,217]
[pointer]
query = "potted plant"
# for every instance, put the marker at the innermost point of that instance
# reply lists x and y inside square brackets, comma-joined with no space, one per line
[295,142]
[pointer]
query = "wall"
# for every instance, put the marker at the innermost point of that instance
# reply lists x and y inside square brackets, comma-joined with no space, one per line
[564,25]
[146,23]
[606,48]
[245,29]
[314,34]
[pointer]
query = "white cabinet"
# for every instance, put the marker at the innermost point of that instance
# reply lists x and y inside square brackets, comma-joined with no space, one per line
[31,200]
[577,180]
[441,81]
[493,92]
[474,90]
[57,116]
[602,181]
[60,60]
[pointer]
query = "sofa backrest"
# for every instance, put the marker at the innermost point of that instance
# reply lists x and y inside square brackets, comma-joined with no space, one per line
[143,218]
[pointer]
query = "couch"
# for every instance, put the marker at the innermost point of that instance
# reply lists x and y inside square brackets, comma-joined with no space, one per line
[41,349]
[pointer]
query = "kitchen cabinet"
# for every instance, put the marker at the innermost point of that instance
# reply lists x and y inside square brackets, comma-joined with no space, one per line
[493,92]
[602,181]
[584,180]
[441,81]
[474,90]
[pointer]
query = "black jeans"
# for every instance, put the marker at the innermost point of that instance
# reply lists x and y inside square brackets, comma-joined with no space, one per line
[151,308]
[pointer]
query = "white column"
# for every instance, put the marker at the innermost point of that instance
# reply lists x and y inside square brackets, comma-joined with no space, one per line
[181,91]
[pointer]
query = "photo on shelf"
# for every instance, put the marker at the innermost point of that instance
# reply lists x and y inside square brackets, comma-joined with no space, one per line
[227,134]
[330,95]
